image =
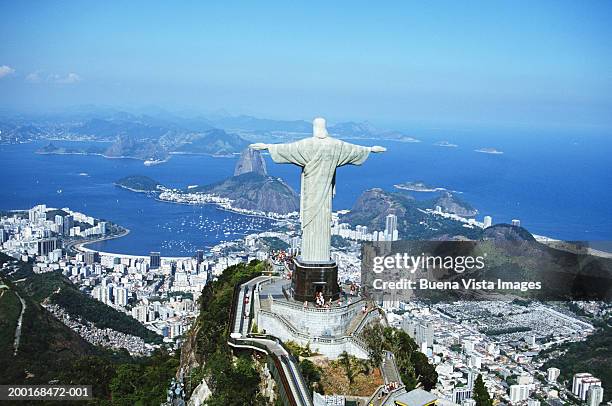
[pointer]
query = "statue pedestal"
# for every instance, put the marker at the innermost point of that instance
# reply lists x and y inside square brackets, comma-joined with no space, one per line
[310,277]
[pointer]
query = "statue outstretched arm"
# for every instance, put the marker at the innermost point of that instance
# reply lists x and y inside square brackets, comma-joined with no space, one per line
[258,146]
[377,148]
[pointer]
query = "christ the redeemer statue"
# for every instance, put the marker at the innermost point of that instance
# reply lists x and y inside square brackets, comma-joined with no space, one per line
[319,156]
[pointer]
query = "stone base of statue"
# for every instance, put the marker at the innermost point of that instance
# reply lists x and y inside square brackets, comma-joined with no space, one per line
[310,278]
[329,330]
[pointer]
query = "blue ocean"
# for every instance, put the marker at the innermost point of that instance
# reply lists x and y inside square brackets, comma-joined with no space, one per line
[558,185]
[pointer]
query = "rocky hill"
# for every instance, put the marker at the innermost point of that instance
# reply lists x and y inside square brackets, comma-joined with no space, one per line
[373,206]
[507,232]
[138,183]
[253,191]
[45,344]
[49,350]
[452,204]
[251,188]
[251,161]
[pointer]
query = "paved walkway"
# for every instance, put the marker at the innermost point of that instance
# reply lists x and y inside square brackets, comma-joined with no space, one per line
[241,338]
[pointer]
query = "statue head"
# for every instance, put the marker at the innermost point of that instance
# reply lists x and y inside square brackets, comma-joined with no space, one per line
[318,128]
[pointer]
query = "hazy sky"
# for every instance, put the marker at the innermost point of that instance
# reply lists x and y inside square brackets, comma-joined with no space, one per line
[537,63]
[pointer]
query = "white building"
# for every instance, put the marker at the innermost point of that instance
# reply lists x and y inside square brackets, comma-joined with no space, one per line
[460,394]
[594,395]
[518,393]
[488,221]
[552,374]
[582,382]
[121,296]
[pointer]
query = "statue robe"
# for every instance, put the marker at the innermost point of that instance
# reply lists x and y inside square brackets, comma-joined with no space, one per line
[319,158]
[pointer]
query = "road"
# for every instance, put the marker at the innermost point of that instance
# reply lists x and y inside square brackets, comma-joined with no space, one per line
[19,324]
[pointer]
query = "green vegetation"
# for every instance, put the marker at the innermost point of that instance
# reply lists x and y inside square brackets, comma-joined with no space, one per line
[10,308]
[232,381]
[138,183]
[456,347]
[275,243]
[59,290]
[594,355]
[480,393]
[413,365]
[339,242]
[353,366]
[184,295]
[312,375]
[298,350]
[49,350]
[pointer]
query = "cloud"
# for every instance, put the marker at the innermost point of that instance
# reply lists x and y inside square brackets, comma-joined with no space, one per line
[66,79]
[6,70]
[39,76]
[34,77]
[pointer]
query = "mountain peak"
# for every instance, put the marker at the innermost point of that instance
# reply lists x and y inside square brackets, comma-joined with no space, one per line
[250,161]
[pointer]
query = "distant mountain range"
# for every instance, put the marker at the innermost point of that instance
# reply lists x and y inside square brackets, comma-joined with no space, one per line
[107,124]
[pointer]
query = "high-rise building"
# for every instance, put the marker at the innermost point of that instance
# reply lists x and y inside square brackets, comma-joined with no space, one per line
[391,227]
[91,257]
[121,296]
[68,224]
[582,382]
[530,340]
[98,293]
[488,221]
[102,227]
[46,245]
[461,393]
[3,235]
[516,223]
[199,256]
[471,377]
[37,212]
[588,383]
[295,245]
[594,396]
[518,393]
[533,402]
[552,374]
[55,255]
[154,260]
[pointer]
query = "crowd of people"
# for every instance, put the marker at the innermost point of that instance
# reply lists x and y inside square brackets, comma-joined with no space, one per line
[388,388]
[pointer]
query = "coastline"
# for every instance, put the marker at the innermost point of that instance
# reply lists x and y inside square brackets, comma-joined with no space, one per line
[81,246]
[156,162]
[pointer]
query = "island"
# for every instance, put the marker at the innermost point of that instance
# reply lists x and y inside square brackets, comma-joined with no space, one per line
[138,183]
[491,151]
[418,186]
[445,144]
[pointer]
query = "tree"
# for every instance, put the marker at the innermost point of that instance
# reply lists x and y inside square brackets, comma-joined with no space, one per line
[480,393]
[353,366]
[373,337]
[312,374]
[425,371]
